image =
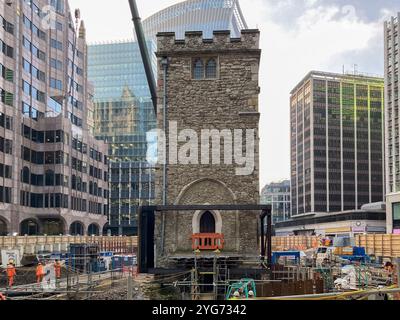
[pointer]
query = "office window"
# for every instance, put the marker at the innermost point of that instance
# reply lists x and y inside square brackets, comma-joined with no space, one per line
[396,215]
[56,64]
[25,175]
[5,171]
[56,44]
[6,49]
[49,178]
[58,5]
[7,26]
[32,91]
[5,194]
[59,26]
[5,145]
[49,158]
[56,84]
[54,105]
[6,73]
[6,97]
[6,121]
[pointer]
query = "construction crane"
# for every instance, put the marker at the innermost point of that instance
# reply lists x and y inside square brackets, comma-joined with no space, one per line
[144,52]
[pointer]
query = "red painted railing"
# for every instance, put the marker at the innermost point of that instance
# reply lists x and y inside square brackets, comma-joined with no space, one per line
[208,241]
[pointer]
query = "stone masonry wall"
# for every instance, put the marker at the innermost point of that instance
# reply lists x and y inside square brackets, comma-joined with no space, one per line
[228,102]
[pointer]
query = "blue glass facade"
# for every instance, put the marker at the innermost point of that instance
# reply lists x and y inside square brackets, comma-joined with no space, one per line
[197,15]
[123,114]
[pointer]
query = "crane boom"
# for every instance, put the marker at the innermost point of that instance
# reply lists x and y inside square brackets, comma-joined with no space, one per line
[144,52]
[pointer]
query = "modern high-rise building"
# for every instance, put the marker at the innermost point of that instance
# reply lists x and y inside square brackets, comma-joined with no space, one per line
[392,86]
[197,15]
[123,107]
[337,143]
[123,114]
[277,194]
[53,172]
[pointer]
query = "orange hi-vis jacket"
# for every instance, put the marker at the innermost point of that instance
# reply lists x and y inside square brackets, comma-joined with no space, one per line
[39,270]
[11,271]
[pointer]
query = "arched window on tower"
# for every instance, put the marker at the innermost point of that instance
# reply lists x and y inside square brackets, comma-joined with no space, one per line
[211,69]
[198,69]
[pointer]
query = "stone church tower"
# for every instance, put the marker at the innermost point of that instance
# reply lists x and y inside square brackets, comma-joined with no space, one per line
[211,84]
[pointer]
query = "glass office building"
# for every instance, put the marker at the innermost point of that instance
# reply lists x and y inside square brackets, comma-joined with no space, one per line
[123,114]
[197,15]
[392,61]
[337,143]
[277,194]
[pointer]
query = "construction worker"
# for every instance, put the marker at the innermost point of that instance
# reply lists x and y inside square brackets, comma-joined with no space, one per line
[236,296]
[2,297]
[251,294]
[389,268]
[11,273]
[57,269]
[39,273]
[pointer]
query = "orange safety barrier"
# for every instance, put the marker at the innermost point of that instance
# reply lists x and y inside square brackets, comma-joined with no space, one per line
[208,241]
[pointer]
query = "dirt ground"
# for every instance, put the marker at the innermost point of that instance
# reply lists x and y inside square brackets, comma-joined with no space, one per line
[140,291]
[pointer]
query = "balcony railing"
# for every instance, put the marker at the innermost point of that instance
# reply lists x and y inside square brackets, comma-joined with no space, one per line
[208,241]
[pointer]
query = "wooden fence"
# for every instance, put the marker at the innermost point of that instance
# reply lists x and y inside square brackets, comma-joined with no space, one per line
[380,245]
[116,244]
[294,243]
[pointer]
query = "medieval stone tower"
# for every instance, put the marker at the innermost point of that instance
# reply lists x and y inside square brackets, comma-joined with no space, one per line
[211,93]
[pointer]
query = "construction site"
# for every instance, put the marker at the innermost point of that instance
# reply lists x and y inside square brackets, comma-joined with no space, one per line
[205,235]
[107,268]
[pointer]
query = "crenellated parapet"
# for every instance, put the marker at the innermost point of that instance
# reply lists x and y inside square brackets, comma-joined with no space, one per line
[221,41]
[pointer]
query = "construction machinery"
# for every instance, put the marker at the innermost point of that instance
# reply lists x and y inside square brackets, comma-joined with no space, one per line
[244,286]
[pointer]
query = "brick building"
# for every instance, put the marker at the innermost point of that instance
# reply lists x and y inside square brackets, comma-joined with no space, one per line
[210,84]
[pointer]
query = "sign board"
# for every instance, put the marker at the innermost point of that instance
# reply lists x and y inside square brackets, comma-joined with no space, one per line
[12,256]
[376,229]
[359,229]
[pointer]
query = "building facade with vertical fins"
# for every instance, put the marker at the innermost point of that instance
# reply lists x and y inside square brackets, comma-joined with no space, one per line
[392,62]
[337,143]
[53,172]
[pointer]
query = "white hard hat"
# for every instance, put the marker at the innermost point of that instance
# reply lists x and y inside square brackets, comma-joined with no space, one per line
[236,294]
[251,293]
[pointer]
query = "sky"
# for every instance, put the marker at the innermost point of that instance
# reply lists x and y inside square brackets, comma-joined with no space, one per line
[297,36]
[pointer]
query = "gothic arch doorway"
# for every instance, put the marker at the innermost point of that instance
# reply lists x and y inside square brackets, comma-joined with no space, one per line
[207,223]
[210,221]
